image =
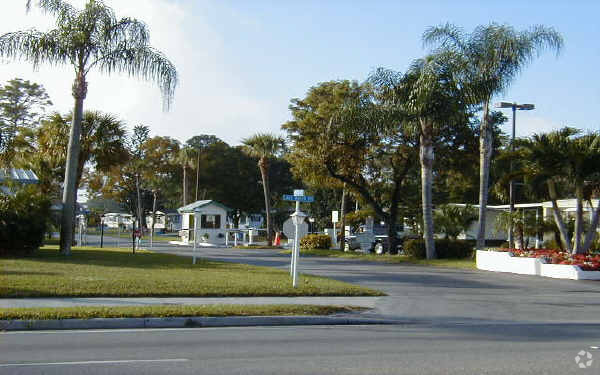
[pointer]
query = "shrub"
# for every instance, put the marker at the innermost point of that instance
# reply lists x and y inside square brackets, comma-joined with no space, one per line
[444,248]
[415,248]
[23,221]
[315,241]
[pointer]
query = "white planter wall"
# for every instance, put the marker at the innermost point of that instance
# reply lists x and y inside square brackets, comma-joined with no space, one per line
[499,261]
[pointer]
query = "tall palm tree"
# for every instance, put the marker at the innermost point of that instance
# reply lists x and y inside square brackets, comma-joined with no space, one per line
[265,146]
[434,101]
[186,160]
[91,38]
[495,55]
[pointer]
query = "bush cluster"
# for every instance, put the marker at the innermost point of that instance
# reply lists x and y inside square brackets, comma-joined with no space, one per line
[23,221]
[444,248]
[315,241]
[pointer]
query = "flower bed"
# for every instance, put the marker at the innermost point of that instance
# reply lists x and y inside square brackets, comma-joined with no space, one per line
[541,262]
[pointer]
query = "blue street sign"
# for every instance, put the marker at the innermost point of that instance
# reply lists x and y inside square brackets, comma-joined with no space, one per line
[298,198]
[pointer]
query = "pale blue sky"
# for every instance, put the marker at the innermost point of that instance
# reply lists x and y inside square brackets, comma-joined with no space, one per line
[241,61]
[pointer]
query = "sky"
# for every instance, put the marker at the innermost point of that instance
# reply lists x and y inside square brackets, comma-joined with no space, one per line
[240,62]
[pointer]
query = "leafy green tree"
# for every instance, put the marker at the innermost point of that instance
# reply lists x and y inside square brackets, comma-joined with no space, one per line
[92,38]
[22,106]
[494,56]
[160,169]
[342,131]
[265,147]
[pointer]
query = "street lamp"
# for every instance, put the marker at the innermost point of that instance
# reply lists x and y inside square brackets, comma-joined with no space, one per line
[297,218]
[520,107]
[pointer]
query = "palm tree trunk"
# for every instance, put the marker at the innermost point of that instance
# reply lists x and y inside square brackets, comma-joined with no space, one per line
[577,248]
[591,233]
[426,156]
[343,219]
[70,190]
[263,164]
[197,173]
[485,153]
[562,228]
[184,186]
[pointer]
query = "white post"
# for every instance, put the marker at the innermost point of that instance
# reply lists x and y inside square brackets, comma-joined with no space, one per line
[195,235]
[235,239]
[152,232]
[295,252]
[250,236]
[118,230]
[226,237]
[537,223]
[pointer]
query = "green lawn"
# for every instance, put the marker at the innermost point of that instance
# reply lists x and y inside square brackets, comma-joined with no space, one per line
[160,311]
[466,263]
[108,272]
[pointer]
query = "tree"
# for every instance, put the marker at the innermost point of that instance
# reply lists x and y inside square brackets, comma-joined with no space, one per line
[494,55]
[22,105]
[432,101]
[160,168]
[452,220]
[543,163]
[265,147]
[92,38]
[137,159]
[102,146]
[199,143]
[185,158]
[341,132]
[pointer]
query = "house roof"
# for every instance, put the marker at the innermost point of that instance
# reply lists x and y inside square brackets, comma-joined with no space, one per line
[23,176]
[193,207]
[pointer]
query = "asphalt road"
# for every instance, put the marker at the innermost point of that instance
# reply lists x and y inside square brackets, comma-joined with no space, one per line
[408,349]
[457,322]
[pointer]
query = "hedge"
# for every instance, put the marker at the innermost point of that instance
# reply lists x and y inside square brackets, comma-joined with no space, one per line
[23,221]
[444,248]
[315,241]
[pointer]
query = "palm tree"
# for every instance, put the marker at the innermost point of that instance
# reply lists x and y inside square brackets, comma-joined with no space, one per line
[583,160]
[495,55]
[265,146]
[434,100]
[186,159]
[543,158]
[87,39]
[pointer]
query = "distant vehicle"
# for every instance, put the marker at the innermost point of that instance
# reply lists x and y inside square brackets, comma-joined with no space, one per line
[376,241]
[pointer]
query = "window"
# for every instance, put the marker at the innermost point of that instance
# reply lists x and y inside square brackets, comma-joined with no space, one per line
[210,221]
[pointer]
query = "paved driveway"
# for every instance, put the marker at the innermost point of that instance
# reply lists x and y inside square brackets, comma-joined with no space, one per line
[441,295]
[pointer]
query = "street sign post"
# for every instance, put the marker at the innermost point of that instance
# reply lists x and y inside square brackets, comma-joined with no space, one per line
[297,218]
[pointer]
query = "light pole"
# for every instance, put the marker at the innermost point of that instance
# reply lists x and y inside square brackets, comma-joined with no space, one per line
[520,107]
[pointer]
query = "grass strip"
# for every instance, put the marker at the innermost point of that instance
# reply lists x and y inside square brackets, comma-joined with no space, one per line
[165,311]
[110,272]
[466,263]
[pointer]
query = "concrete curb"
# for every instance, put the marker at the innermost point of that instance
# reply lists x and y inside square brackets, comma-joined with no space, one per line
[183,322]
